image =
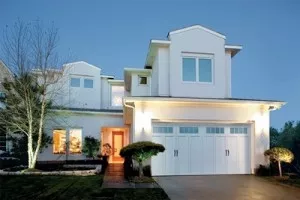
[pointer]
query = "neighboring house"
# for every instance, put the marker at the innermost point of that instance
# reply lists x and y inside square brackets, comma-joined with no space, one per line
[4,73]
[181,99]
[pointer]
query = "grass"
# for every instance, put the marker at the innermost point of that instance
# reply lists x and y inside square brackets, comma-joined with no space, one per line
[69,187]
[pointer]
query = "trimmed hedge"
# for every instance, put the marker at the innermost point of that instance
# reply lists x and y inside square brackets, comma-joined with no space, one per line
[139,147]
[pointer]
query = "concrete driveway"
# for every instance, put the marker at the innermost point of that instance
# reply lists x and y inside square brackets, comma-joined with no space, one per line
[225,187]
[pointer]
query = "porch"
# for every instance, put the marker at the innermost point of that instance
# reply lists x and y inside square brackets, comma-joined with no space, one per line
[116,138]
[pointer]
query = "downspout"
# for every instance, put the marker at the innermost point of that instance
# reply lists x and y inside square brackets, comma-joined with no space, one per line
[133,109]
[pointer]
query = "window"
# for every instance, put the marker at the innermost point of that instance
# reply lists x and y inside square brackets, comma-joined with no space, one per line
[188,129]
[75,82]
[59,141]
[75,141]
[88,83]
[202,73]
[143,80]
[215,130]
[205,70]
[163,129]
[117,94]
[239,130]
[189,69]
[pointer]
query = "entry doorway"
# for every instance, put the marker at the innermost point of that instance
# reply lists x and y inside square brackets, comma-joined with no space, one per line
[117,145]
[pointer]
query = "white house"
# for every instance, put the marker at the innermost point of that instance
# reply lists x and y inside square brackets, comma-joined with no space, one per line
[181,99]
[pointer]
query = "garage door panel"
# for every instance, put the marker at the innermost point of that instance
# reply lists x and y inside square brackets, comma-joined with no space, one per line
[197,153]
[208,157]
[170,146]
[244,155]
[221,162]
[232,157]
[183,155]
[158,162]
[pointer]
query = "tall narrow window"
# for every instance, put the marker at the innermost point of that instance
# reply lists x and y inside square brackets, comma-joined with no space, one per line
[189,69]
[59,141]
[88,83]
[75,141]
[205,70]
[117,94]
[75,82]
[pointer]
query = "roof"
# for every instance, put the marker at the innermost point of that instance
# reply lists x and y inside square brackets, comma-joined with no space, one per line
[81,62]
[87,110]
[233,49]
[153,46]
[275,103]
[196,27]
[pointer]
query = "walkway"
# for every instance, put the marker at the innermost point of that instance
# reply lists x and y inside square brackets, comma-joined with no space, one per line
[114,178]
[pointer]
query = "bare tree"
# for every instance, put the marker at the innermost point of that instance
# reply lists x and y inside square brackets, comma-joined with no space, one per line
[30,53]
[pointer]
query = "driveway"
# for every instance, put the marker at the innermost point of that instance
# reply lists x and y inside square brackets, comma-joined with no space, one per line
[224,187]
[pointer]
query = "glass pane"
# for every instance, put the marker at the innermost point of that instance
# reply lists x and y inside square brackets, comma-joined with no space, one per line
[59,141]
[222,130]
[117,94]
[143,80]
[188,129]
[188,69]
[245,130]
[236,130]
[205,70]
[88,83]
[75,82]
[231,130]
[75,141]
[163,129]
[217,130]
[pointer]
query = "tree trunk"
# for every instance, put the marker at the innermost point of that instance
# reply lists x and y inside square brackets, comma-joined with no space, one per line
[279,167]
[141,174]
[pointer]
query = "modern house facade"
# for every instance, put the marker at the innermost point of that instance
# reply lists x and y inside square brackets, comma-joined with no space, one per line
[180,99]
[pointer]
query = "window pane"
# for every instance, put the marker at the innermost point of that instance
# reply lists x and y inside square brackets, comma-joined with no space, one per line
[59,141]
[231,130]
[143,80]
[188,69]
[75,141]
[88,83]
[117,94]
[75,82]
[188,129]
[205,70]
[162,129]
[245,130]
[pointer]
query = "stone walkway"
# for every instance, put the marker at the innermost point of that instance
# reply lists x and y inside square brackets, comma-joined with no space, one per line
[114,178]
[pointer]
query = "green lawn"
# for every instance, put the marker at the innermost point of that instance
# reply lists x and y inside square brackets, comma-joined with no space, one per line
[69,187]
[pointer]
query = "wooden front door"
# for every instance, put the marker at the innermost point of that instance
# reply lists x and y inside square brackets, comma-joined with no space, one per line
[117,145]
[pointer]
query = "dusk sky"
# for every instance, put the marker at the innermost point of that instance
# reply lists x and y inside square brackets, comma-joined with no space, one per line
[116,35]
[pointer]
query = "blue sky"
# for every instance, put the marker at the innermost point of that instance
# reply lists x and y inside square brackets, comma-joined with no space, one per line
[115,34]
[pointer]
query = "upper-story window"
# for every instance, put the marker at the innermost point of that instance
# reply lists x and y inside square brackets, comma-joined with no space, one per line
[197,69]
[143,80]
[88,83]
[75,82]
[117,94]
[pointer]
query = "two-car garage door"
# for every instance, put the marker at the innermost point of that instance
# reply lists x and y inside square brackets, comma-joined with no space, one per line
[201,149]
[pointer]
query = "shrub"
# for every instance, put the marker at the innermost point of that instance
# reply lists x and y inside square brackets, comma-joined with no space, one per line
[91,147]
[263,170]
[279,155]
[141,151]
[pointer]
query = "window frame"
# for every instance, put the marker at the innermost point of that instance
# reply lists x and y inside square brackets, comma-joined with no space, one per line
[143,76]
[111,95]
[69,141]
[66,141]
[197,57]
[89,79]
[75,78]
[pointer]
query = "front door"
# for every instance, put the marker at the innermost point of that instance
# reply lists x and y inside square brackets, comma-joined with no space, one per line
[118,143]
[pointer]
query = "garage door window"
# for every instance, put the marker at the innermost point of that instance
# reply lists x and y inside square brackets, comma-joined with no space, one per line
[188,130]
[163,129]
[215,130]
[239,130]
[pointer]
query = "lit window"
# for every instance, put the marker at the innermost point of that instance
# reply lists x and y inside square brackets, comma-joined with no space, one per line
[117,94]
[75,141]
[215,130]
[189,69]
[188,129]
[75,82]
[59,141]
[163,129]
[143,80]
[205,70]
[88,83]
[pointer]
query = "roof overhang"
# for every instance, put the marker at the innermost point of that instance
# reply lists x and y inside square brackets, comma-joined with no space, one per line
[271,104]
[233,49]
[116,82]
[197,27]
[152,51]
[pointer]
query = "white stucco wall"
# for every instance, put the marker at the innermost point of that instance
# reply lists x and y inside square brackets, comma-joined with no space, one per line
[197,41]
[253,115]
[228,74]
[164,72]
[138,89]
[105,92]
[90,124]
[155,76]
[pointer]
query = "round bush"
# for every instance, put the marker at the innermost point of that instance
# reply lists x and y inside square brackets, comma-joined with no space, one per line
[141,147]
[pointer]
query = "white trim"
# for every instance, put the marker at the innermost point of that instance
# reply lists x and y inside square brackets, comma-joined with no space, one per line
[81,62]
[113,81]
[161,42]
[239,47]
[136,70]
[107,76]
[197,27]
[87,112]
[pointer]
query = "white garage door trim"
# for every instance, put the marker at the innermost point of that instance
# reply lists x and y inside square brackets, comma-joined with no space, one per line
[216,147]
